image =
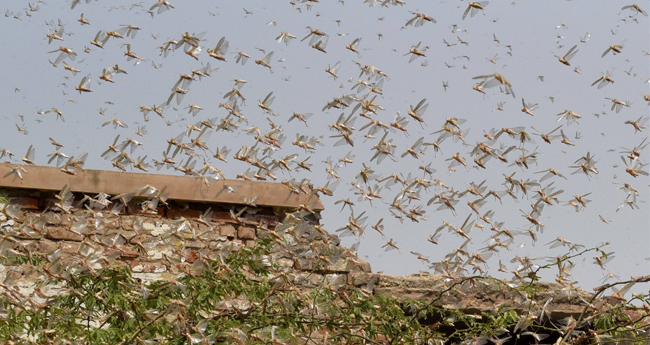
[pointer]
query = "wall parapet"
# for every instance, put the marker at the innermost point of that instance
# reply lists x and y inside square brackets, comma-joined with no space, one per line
[180,188]
[96,218]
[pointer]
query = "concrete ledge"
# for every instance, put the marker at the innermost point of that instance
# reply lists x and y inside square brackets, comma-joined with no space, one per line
[180,188]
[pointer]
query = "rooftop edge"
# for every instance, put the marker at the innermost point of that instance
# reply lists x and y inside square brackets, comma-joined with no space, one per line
[181,188]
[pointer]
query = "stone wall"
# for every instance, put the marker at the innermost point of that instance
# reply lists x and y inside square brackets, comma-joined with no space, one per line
[164,241]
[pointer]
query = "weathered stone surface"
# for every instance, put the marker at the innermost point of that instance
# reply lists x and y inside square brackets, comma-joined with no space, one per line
[60,233]
[140,238]
[112,223]
[27,203]
[195,244]
[227,230]
[336,279]
[363,279]
[40,246]
[334,239]
[237,244]
[218,242]
[304,264]
[128,234]
[128,253]
[285,263]
[7,223]
[69,247]
[192,256]
[149,225]
[147,267]
[309,279]
[161,230]
[474,299]
[156,243]
[175,213]
[246,232]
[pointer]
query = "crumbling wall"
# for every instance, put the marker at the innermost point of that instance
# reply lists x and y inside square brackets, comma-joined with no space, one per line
[163,243]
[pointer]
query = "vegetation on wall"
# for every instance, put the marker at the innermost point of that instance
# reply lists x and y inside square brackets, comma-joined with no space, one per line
[241,297]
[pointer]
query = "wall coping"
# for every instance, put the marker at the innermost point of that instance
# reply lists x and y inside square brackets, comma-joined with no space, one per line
[180,188]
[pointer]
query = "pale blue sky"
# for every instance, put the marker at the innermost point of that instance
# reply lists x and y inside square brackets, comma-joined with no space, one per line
[526,29]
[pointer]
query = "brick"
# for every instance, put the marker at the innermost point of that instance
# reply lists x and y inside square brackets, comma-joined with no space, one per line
[128,253]
[209,234]
[60,233]
[147,267]
[189,213]
[246,232]
[112,223]
[68,247]
[53,218]
[227,230]
[192,256]
[222,217]
[21,235]
[63,218]
[140,238]
[26,202]
[41,246]
[271,221]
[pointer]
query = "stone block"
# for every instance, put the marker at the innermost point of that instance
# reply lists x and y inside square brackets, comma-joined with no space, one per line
[128,234]
[27,203]
[223,217]
[220,242]
[334,239]
[363,279]
[285,263]
[68,247]
[41,246]
[227,230]
[192,256]
[112,222]
[126,222]
[237,245]
[147,267]
[128,253]
[194,244]
[246,232]
[174,213]
[309,279]
[140,238]
[62,234]
[156,229]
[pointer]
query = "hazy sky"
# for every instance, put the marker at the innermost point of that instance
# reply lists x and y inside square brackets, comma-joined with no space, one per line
[529,34]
